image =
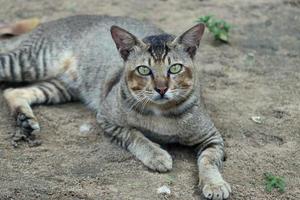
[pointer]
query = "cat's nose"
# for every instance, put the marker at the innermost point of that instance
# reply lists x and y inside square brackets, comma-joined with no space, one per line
[161,90]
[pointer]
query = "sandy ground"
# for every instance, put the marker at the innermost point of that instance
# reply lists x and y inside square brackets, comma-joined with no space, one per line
[258,74]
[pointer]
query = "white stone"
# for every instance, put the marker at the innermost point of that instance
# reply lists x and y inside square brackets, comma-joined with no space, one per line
[164,190]
[256,119]
[85,128]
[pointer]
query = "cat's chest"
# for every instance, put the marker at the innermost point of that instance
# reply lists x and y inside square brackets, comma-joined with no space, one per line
[161,128]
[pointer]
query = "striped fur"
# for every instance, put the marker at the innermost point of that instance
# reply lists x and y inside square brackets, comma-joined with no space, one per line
[45,92]
[158,46]
[134,141]
[24,64]
[75,59]
[21,99]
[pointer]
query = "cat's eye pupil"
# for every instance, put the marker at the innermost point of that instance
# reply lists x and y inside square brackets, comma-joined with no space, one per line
[175,69]
[143,70]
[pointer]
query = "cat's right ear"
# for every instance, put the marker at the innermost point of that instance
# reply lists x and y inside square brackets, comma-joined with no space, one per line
[125,41]
[190,39]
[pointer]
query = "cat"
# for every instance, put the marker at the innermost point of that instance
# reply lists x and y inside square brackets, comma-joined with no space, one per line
[141,83]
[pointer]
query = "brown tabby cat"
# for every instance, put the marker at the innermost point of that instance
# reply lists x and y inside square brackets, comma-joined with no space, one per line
[151,94]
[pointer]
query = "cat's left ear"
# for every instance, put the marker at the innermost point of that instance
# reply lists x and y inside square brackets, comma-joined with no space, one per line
[190,39]
[125,41]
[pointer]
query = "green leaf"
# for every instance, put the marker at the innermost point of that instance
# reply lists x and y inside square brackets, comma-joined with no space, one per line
[215,30]
[223,36]
[269,187]
[204,19]
[218,27]
[210,22]
[274,182]
[226,26]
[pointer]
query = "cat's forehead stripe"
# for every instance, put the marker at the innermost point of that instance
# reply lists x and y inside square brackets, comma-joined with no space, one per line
[158,46]
[169,60]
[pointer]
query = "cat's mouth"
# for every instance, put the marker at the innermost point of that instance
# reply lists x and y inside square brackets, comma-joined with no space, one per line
[161,99]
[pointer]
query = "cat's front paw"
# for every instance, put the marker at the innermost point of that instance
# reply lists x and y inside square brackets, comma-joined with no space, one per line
[26,127]
[158,160]
[27,124]
[216,190]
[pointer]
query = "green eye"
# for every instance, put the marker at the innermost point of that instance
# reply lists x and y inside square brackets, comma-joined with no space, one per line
[175,69]
[143,70]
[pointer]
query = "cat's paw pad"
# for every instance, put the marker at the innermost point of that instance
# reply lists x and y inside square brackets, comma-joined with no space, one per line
[159,160]
[216,191]
[26,127]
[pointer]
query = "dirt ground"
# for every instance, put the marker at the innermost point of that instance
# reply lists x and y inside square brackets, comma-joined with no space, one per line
[257,74]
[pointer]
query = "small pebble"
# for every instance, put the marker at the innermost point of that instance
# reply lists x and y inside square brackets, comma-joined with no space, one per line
[85,128]
[164,190]
[256,119]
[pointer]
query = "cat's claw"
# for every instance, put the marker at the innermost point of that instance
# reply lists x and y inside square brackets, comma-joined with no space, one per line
[159,160]
[216,191]
[25,131]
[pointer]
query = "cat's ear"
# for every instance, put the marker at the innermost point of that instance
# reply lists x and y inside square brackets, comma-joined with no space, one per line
[190,39]
[125,41]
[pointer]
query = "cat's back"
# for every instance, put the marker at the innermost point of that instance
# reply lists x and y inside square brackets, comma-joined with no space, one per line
[93,39]
[82,31]
[88,36]
[77,26]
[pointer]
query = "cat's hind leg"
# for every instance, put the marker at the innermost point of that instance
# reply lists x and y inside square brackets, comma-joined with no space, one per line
[21,99]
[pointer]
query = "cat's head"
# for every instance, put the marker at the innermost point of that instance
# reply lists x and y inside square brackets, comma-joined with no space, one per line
[159,69]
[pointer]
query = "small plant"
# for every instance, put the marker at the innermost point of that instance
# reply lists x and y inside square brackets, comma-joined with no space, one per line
[218,27]
[273,181]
